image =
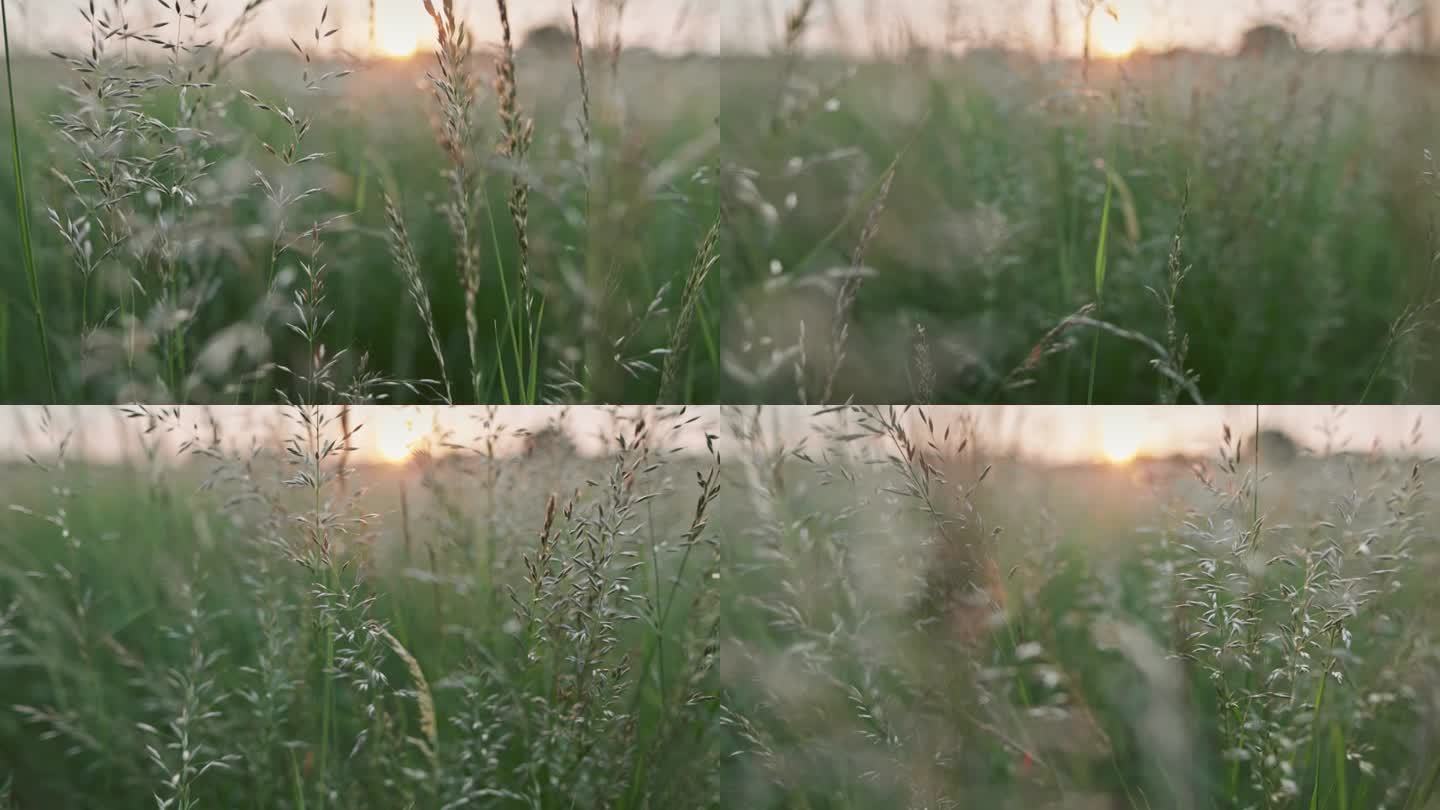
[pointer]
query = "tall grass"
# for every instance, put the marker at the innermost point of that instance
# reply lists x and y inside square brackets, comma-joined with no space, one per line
[553,211]
[996,211]
[878,610]
[22,204]
[917,625]
[259,626]
[192,297]
[1102,258]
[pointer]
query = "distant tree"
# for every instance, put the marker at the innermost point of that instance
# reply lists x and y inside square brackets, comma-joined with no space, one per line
[551,38]
[550,441]
[1268,39]
[1276,447]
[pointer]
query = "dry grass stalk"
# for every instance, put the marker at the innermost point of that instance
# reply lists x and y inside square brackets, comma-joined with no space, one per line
[518,132]
[584,83]
[705,259]
[850,287]
[924,368]
[403,251]
[423,699]
[456,90]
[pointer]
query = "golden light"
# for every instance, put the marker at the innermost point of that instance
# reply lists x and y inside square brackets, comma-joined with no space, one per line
[1121,437]
[1116,34]
[1120,447]
[400,33]
[397,437]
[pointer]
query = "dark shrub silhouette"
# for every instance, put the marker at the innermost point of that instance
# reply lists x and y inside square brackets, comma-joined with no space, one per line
[1267,40]
[550,38]
[1276,447]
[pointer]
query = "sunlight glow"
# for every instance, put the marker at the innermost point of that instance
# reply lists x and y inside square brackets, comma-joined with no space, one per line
[1121,448]
[397,437]
[399,34]
[1121,439]
[1116,34]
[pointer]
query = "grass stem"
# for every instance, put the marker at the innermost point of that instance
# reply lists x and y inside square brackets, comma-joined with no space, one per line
[22,206]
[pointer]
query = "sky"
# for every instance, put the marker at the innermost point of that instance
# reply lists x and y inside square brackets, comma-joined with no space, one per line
[681,24]
[708,24]
[1057,434]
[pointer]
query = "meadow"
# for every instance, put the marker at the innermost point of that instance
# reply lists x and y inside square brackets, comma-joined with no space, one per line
[213,624]
[915,623]
[889,610]
[781,226]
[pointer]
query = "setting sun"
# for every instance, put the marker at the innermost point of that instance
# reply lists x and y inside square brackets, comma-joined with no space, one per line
[397,437]
[1121,447]
[399,34]
[1121,437]
[1116,33]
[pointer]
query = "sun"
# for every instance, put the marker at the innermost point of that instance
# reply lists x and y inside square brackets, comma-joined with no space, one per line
[398,35]
[1121,437]
[1115,35]
[397,437]
[1120,447]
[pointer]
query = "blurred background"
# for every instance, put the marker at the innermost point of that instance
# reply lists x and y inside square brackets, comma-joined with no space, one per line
[1047,435]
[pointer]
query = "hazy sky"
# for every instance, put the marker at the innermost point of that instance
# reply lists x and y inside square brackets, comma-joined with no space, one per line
[680,23]
[1061,434]
[688,24]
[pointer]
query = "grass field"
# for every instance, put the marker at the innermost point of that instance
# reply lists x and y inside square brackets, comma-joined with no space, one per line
[1014,228]
[880,615]
[913,625]
[1265,235]
[232,629]
[192,258]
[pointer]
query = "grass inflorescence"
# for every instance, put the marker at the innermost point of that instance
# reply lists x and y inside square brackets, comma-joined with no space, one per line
[268,623]
[919,622]
[553,202]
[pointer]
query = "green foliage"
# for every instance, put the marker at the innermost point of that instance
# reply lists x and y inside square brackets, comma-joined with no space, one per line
[1139,638]
[263,631]
[1308,263]
[1306,235]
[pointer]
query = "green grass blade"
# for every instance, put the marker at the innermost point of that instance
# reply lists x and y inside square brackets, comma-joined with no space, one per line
[1101,258]
[22,204]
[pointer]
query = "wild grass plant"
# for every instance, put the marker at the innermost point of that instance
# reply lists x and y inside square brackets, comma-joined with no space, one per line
[556,205]
[226,220]
[992,184]
[885,610]
[913,624]
[282,626]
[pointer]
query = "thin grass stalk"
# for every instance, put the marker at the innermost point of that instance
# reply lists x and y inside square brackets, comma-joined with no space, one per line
[403,252]
[705,259]
[850,287]
[797,22]
[518,133]
[1101,258]
[585,134]
[22,205]
[594,352]
[455,94]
